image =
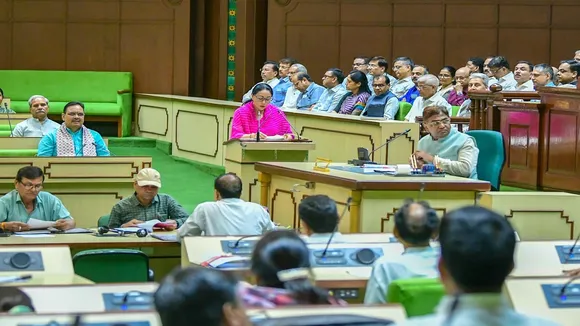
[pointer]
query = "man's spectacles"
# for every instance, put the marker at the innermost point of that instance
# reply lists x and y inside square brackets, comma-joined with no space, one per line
[436,123]
[358,64]
[77,114]
[263,99]
[30,186]
[379,85]
[326,76]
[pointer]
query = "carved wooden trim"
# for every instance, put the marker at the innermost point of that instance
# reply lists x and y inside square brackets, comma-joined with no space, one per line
[562,216]
[48,174]
[293,202]
[216,137]
[152,132]
[393,136]
[250,185]
[343,133]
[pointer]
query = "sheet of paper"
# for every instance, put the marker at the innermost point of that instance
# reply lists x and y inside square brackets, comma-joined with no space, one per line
[33,232]
[148,225]
[34,235]
[275,138]
[129,229]
[35,224]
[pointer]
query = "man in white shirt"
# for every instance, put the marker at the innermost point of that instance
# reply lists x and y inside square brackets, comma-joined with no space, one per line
[292,93]
[492,79]
[269,73]
[523,76]
[427,86]
[416,223]
[500,68]
[319,218]
[39,124]
[228,214]
[477,254]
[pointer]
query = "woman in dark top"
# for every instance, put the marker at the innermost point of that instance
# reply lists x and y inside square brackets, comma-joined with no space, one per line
[358,93]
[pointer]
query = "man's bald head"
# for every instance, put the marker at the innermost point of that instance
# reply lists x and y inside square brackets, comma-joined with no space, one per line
[228,185]
[416,222]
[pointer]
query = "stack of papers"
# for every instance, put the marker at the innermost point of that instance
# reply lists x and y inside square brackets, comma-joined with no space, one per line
[370,168]
[35,224]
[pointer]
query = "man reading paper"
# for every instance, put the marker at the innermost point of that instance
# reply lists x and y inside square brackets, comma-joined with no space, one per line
[28,202]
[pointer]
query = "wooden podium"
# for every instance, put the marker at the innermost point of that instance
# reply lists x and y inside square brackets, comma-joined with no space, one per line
[240,157]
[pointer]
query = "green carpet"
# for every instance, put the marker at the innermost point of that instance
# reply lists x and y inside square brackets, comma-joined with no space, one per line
[188,185]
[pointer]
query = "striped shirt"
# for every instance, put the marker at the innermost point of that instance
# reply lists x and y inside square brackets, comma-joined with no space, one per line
[273,122]
[354,102]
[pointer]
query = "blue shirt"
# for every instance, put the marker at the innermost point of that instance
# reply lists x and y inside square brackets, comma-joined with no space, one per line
[330,98]
[411,95]
[309,97]
[280,92]
[47,145]
[47,207]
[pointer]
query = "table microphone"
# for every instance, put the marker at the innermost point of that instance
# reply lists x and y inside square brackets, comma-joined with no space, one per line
[259,124]
[571,251]
[566,285]
[291,126]
[8,116]
[364,155]
[347,207]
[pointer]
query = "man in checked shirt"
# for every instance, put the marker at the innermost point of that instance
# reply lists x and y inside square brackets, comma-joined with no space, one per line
[147,204]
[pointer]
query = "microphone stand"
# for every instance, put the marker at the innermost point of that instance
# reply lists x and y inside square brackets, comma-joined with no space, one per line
[259,125]
[365,158]
[8,116]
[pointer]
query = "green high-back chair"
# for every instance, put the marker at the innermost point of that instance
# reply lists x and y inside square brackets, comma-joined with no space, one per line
[491,156]
[419,296]
[104,220]
[113,266]
[404,108]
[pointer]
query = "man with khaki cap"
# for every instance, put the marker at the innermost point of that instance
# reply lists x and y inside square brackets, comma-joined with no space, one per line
[147,204]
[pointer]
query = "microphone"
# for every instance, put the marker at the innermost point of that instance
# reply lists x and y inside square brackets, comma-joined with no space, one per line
[571,251]
[364,155]
[566,285]
[237,243]
[83,147]
[14,279]
[259,124]
[8,116]
[291,126]
[347,207]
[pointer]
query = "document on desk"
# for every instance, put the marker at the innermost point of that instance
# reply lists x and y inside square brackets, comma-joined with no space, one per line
[35,224]
[148,225]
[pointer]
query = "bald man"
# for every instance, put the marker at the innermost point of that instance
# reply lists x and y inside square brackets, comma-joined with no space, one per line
[228,214]
[416,223]
[459,93]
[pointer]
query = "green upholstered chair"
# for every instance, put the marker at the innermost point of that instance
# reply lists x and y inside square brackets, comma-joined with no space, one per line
[103,220]
[491,156]
[419,296]
[404,108]
[454,110]
[113,266]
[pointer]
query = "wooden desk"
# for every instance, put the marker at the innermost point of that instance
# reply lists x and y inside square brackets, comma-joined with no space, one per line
[46,279]
[527,297]
[88,186]
[67,319]
[55,260]
[184,120]
[394,312]
[78,298]
[163,255]
[540,259]
[375,198]
[24,143]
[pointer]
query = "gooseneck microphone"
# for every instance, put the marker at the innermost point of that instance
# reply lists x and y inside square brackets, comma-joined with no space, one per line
[280,112]
[8,116]
[347,207]
[571,251]
[364,155]
[566,285]
[259,125]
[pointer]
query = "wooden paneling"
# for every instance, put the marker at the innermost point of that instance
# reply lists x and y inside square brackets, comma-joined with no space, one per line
[149,38]
[328,33]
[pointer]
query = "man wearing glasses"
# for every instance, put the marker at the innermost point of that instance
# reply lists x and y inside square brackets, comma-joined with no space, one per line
[28,201]
[383,103]
[500,68]
[72,138]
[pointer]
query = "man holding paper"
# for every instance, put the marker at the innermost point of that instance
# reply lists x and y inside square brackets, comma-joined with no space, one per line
[27,206]
[147,204]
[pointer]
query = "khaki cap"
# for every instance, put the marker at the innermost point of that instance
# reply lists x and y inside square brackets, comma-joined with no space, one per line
[148,177]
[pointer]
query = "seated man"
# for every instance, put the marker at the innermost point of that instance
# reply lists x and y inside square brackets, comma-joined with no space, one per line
[199,296]
[477,254]
[4,106]
[477,82]
[416,223]
[319,219]
[39,124]
[72,138]
[382,101]
[427,86]
[28,201]
[310,91]
[147,204]
[228,214]
[334,91]
[454,152]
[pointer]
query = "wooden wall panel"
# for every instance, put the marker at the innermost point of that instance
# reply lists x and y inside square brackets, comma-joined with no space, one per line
[432,32]
[149,38]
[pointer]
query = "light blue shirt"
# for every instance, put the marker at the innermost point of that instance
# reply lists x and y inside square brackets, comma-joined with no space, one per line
[280,92]
[47,145]
[330,98]
[413,263]
[32,127]
[47,207]
[309,97]
[483,309]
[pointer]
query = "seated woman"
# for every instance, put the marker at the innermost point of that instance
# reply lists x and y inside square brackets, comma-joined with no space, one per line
[281,265]
[259,114]
[13,300]
[454,152]
[358,93]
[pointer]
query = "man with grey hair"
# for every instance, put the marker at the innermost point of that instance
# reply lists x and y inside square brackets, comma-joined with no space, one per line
[477,82]
[292,93]
[39,124]
[577,56]
[427,86]
[543,75]
[403,69]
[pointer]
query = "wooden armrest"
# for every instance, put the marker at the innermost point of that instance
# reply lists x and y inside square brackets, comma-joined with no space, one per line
[453,120]
[124,91]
